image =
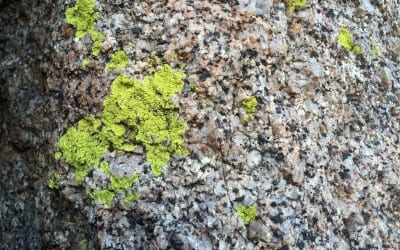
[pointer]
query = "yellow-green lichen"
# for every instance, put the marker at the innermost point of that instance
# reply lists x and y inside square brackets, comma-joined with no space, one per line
[130,198]
[246,213]
[135,113]
[85,62]
[346,41]
[97,39]
[54,182]
[118,60]
[104,197]
[83,244]
[250,105]
[57,155]
[293,4]
[83,146]
[146,110]
[82,16]
[123,183]
[104,167]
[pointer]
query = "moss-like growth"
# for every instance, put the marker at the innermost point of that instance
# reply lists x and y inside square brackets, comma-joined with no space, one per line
[130,198]
[250,105]
[83,146]
[122,184]
[118,60]
[104,167]
[145,109]
[346,41]
[136,112]
[246,213]
[83,244]
[293,4]
[97,39]
[104,197]
[82,16]
[54,182]
[85,62]
[57,155]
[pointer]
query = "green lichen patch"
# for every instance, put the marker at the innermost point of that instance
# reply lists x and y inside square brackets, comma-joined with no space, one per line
[147,113]
[82,16]
[85,62]
[130,198]
[246,213]
[54,182]
[97,39]
[118,61]
[250,105]
[346,41]
[104,167]
[57,155]
[104,197]
[293,4]
[122,184]
[135,113]
[83,146]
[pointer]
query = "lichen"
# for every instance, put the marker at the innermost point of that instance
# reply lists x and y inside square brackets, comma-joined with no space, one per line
[57,155]
[293,4]
[97,39]
[82,16]
[346,41]
[83,146]
[104,197]
[104,167]
[130,198]
[118,61]
[247,213]
[54,182]
[121,184]
[83,244]
[136,112]
[250,105]
[85,62]
[146,110]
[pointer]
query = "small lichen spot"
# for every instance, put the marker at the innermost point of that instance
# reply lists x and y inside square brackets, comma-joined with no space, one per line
[82,16]
[250,105]
[118,61]
[246,213]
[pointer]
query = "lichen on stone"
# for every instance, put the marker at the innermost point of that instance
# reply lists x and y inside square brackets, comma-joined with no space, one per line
[246,213]
[146,110]
[123,183]
[250,105]
[135,113]
[346,41]
[97,39]
[118,61]
[293,4]
[85,62]
[54,182]
[82,16]
[83,146]
[104,197]
[130,198]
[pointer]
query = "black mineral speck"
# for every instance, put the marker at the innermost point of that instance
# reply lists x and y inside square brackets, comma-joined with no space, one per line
[277,219]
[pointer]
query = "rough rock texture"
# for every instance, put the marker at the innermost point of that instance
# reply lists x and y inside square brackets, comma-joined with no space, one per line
[320,160]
